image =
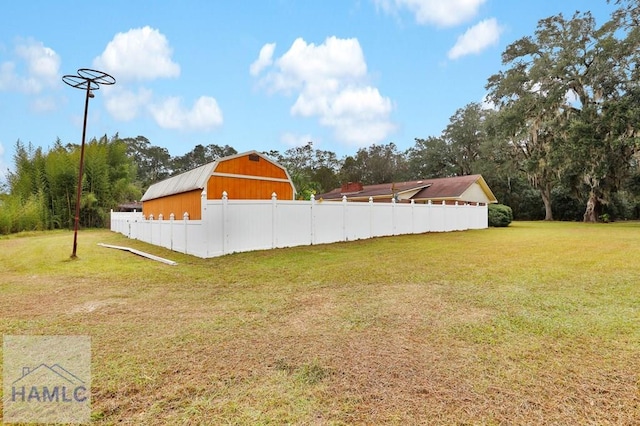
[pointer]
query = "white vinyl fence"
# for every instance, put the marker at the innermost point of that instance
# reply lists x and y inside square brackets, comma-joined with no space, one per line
[229,226]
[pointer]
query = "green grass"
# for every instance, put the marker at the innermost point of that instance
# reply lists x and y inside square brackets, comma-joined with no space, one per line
[537,323]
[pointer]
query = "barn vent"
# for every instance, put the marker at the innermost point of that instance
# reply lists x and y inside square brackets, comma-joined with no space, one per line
[254,157]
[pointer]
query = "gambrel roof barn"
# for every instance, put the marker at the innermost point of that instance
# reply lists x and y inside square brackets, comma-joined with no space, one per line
[249,175]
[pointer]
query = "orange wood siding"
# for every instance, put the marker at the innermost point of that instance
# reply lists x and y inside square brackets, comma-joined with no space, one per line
[244,166]
[247,189]
[177,204]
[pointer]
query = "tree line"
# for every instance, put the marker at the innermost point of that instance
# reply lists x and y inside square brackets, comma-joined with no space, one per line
[556,139]
[42,187]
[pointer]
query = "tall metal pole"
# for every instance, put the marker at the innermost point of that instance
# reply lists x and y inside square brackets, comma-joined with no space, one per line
[89,80]
[80,172]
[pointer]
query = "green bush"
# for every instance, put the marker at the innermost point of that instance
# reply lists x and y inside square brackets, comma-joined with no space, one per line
[500,215]
[5,215]
[18,215]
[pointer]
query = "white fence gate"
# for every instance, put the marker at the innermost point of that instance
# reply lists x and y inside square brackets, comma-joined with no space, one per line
[229,226]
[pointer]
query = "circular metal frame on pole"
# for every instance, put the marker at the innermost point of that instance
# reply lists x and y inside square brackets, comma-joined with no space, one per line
[88,80]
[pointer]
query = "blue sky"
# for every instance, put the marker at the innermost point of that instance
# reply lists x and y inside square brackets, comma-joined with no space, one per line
[262,74]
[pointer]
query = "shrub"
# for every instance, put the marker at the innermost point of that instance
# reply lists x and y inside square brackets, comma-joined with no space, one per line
[500,215]
[5,215]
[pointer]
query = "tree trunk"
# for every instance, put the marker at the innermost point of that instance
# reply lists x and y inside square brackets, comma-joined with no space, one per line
[546,199]
[590,214]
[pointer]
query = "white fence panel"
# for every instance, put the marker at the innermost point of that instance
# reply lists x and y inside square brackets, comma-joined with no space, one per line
[480,218]
[249,225]
[421,216]
[466,217]
[403,219]
[438,217]
[382,219]
[328,222]
[166,233]
[213,217]
[179,240]
[357,221]
[451,218]
[195,239]
[229,226]
[293,223]
[136,229]
[145,231]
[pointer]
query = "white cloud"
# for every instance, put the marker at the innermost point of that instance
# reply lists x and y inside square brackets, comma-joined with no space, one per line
[139,54]
[44,104]
[8,76]
[444,13]
[204,115]
[477,38]
[43,62]
[335,58]
[367,101]
[354,114]
[294,140]
[265,59]
[144,54]
[330,82]
[42,68]
[125,105]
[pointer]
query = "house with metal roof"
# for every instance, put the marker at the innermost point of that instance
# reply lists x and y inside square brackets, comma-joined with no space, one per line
[249,175]
[462,189]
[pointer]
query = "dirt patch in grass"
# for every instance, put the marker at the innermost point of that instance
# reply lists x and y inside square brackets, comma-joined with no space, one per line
[93,305]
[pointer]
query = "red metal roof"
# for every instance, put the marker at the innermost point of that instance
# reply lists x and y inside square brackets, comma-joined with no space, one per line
[451,188]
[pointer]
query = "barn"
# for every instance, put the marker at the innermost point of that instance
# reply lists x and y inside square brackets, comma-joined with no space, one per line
[249,176]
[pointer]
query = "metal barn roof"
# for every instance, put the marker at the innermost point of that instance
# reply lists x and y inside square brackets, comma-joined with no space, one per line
[196,178]
[184,182]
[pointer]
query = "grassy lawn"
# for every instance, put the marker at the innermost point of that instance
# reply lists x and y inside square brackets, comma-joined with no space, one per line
[538,323]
